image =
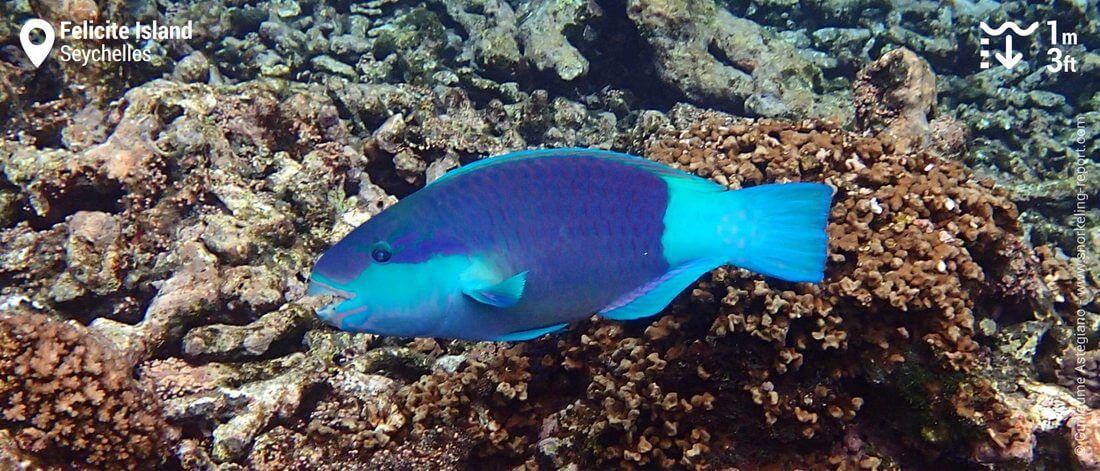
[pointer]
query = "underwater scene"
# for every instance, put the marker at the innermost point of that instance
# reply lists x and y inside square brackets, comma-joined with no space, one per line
[549,235]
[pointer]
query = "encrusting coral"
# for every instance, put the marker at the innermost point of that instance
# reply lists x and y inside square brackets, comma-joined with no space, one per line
[68,397]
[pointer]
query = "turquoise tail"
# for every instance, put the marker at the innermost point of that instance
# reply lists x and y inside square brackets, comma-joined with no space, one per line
[778,230]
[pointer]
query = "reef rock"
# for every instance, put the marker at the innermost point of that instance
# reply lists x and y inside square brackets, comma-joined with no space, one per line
[1085,430]
[543,32]
[713,56]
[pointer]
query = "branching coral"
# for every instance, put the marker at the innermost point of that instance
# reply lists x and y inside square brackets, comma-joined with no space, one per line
[71,400]
[485,401]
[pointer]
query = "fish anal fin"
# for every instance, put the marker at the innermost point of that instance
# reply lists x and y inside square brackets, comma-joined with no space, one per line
[652,297]
[530,334]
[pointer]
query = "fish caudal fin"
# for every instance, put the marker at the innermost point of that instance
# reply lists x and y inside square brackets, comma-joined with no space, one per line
[778,230]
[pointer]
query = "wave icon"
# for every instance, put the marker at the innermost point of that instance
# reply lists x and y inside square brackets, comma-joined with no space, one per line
[1010,25]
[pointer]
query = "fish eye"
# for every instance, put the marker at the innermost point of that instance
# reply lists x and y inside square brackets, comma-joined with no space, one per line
[381,253]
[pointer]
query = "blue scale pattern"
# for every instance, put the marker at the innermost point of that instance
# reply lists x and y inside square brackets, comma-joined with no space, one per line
[586,229]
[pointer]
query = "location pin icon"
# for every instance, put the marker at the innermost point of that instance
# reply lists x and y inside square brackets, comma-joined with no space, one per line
[36,52]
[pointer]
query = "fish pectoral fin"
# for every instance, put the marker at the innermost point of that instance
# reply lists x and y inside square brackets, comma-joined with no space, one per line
[503,294]
[530,334]
[652,297]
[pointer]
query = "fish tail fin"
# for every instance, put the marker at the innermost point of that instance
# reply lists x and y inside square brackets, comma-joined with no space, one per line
[778,230]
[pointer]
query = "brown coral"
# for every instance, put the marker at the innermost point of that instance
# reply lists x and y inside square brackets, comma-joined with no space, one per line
[909,234]
[912,240]
[487,401]
[70,400]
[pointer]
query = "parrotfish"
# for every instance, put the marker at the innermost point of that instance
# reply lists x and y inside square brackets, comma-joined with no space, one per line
[516,246]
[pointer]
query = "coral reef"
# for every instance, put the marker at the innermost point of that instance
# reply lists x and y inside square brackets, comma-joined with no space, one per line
[67,396]
[175,210]
[917,259]
[913,267]
[1057,110]
[917,245]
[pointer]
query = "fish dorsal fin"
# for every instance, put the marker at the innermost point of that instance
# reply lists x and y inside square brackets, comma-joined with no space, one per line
[501,294]
[668,173]
[652,297]
[530,334]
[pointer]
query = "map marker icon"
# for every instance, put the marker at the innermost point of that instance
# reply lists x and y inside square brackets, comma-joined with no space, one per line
[36,52]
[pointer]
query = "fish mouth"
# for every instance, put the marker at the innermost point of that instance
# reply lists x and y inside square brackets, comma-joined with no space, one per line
[337,307]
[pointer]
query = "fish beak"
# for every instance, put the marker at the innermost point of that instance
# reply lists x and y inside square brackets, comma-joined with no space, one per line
[339,304]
